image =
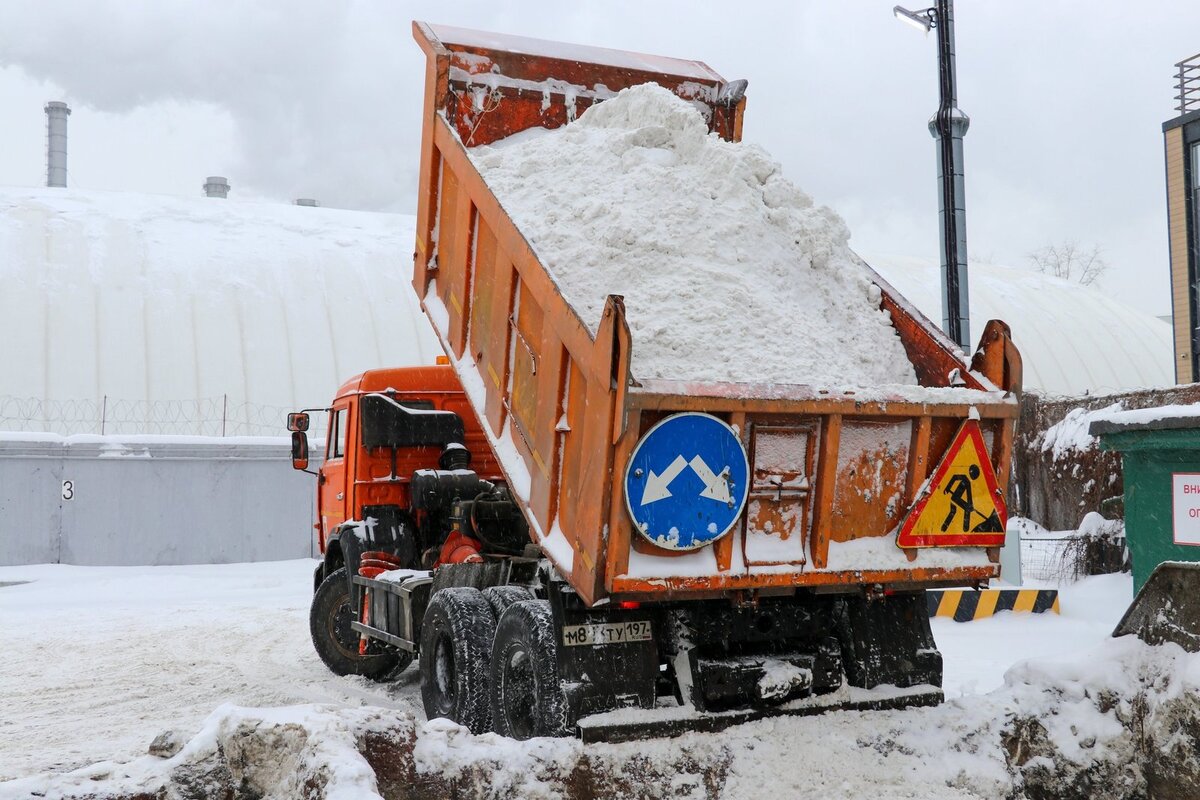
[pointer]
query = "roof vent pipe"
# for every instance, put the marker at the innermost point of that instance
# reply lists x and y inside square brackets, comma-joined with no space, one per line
[56,143]
[216,186]
[307,201]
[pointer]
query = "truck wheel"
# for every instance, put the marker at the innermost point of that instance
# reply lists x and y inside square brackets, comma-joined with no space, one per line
[501,597]
[456,642]
[333,638]
[527,697]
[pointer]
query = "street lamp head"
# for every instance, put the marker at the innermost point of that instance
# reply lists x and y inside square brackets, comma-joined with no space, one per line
[924,20]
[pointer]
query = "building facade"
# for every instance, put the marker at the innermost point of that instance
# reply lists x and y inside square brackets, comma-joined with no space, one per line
[1181,138]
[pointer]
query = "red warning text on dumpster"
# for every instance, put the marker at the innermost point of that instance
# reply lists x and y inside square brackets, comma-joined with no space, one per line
[1185,507]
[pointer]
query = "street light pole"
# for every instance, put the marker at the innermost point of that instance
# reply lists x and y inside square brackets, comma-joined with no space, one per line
[948,126]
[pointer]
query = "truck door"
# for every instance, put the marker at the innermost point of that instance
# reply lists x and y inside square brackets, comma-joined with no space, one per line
[333,495]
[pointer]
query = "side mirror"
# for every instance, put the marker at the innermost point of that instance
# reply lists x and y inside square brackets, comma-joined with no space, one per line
[297,421]
[300,449]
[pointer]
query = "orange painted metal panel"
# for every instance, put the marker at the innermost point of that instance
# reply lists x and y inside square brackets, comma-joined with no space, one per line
[533,82]
[871,474]
[826,484]
[573,453]
[546,439]
[782,457]
[491,306]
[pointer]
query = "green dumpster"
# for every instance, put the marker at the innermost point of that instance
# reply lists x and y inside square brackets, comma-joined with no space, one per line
[1160,455]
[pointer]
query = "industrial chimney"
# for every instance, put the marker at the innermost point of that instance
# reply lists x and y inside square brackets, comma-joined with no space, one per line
[307,201]
[216,186]
[56,143]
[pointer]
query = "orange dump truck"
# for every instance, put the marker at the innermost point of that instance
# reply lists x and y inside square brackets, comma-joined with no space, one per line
[643,554]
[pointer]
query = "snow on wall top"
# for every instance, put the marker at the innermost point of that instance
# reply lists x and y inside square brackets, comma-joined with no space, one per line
[1073,339]
[729,272]
[155,298]
[1169,417]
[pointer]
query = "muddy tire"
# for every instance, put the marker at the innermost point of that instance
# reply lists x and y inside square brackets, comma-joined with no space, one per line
[335,641]
[527,696]
[456,646]
[501,597]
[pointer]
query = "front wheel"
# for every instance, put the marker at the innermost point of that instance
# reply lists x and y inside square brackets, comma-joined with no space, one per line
[335,641]
[527,696]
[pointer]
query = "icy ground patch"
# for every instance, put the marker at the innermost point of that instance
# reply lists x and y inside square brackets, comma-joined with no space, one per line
[97,661]
[100,660]
[729,271]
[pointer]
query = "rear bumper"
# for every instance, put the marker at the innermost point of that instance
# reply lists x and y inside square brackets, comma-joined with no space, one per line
[630,724]
[718,585]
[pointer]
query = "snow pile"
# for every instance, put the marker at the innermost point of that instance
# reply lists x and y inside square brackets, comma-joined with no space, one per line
[729,272]
[1118,722]
[1071,432]
[133,651]
[116,647]
[295,751]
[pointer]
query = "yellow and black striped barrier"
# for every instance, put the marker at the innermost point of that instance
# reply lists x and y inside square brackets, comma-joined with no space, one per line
[964,605]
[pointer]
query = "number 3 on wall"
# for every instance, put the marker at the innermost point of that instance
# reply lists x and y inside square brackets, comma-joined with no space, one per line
[68,490]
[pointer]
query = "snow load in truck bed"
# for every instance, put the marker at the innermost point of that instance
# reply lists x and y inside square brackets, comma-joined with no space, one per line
[729,272]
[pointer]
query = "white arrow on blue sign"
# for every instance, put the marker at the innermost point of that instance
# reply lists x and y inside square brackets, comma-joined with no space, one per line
[686,482]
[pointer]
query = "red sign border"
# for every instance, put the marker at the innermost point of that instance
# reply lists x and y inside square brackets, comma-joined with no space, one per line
[905,538]
[1174,532]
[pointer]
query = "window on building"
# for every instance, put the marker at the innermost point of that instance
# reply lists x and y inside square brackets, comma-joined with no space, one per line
[1195,169]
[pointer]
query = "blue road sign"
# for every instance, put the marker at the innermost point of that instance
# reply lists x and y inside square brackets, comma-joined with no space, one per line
[686,483]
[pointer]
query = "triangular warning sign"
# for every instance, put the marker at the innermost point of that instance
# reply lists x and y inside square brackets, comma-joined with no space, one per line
[961,504]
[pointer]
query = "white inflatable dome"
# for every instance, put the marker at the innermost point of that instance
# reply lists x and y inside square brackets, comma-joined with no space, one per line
[174,315]
[128,313]
[1073,339]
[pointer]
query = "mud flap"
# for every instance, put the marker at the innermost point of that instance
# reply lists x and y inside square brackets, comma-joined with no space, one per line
[887,640]
[1167,609]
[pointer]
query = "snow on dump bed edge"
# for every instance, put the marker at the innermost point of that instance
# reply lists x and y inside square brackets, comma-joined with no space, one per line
[729,272]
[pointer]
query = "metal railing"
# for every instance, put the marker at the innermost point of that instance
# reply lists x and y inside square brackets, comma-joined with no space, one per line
[1187,84]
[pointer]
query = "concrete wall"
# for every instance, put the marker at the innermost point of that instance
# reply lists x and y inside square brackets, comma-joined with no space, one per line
[151,500]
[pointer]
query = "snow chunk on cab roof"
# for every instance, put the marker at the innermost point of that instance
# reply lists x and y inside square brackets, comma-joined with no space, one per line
[729,271]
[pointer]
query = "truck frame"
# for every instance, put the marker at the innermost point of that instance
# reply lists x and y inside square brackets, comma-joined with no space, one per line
[474,514]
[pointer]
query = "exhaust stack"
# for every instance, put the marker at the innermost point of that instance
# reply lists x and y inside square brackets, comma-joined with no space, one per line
[56,143]
[216,186]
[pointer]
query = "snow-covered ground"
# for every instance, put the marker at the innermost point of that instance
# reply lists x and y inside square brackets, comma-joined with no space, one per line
[98,660]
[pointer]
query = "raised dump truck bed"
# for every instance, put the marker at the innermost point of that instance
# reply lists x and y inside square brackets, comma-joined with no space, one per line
[833,473]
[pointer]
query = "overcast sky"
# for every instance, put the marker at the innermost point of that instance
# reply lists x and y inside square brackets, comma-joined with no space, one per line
[321,99]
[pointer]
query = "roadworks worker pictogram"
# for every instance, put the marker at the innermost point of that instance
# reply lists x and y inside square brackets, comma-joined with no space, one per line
[962,503]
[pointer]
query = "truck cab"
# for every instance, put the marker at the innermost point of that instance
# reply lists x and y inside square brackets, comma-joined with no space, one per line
[403,456]
[361,479]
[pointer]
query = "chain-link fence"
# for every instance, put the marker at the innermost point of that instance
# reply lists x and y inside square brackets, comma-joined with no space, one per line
[1046,559]
[205,416]
[1069,558]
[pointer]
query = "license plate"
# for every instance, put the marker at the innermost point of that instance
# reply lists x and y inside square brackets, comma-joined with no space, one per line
[606,633]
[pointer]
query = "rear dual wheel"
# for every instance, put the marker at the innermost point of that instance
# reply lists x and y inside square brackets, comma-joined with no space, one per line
[456,645]
[527,696]
[492,676]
